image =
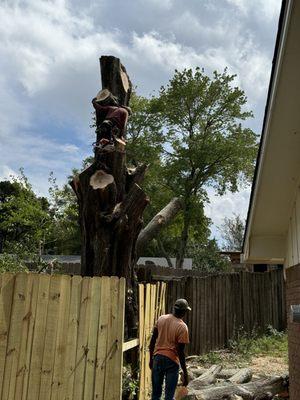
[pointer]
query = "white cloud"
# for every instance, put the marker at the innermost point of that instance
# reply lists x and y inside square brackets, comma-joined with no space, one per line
[227,205]
[6,173]
[69,148]
[263,8]
[49,68]
[165,4]
[242,57]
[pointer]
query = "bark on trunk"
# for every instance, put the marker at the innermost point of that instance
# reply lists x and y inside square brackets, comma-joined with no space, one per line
[111,204]
[184,236]
[164,253]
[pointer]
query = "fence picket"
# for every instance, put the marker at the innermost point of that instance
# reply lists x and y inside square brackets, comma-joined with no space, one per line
[31,315]
[50,337]
[59,368]
[95,293]
[7,282]
[103,333]
[14,342]
[39,337]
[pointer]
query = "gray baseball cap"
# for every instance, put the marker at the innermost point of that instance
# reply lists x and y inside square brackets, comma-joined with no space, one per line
[182,304]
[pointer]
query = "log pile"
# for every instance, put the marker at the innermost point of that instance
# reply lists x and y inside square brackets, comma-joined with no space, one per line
[217,383]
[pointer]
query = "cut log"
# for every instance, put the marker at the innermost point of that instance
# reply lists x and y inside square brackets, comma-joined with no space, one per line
[258,390]
[227,373]
[157,223]
[242,376]
[193,359]
[207,378]
[196,371]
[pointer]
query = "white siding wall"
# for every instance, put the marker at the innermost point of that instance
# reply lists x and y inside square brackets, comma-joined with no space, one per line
[293,240]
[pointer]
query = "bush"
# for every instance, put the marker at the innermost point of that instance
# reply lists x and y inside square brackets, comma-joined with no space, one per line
[130,384]
[11,263]
[251,344]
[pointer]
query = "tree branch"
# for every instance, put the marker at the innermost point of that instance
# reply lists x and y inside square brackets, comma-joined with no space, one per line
[157,223]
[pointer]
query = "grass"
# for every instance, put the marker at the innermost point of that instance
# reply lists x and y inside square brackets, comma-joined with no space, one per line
[248,346]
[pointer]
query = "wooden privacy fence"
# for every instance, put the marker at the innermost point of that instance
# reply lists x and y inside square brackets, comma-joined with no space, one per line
[60,337]
[222,304]
[151,306]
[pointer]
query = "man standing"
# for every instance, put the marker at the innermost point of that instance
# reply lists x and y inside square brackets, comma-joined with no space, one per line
[170,334]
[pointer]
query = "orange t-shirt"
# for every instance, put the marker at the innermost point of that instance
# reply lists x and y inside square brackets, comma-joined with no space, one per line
[171,331]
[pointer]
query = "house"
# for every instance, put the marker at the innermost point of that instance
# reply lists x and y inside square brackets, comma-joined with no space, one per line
[273,225]
[162,262]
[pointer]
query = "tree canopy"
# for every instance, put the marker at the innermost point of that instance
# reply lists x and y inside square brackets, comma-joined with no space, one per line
[205,141]
[232,232]
[25,218]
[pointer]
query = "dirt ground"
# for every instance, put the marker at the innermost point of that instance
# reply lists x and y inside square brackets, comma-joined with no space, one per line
[268,365]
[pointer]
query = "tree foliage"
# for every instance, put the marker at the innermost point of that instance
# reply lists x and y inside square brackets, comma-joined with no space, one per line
[25,218]
[206,256]
[232,232]
[205,143]
[144,139]
[65,238]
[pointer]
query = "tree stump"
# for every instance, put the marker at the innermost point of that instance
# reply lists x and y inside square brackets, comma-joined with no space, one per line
[111,203]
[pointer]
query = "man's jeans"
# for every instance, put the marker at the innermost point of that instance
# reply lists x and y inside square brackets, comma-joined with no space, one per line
[164,367]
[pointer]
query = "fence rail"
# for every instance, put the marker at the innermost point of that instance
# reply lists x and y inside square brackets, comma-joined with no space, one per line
[61,337]
[224,303]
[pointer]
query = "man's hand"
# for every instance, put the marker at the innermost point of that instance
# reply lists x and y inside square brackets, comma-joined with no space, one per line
[152,345]
[185,379]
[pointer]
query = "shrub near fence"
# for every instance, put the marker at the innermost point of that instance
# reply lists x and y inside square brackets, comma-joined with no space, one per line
[222,304]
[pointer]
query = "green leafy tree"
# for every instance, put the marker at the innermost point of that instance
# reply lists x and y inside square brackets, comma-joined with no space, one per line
[232,232]
[144,138]
[65,238]
[205,143]
[206,256]
[25,220]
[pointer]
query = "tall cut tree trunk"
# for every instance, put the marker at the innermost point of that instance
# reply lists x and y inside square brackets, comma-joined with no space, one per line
[111,204]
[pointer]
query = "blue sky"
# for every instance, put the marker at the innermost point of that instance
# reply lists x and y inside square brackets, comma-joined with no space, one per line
[49,70]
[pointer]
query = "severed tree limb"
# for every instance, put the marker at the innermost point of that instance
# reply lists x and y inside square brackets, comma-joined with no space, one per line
[157,223]
[242,376]
[227,373]
[207,378]
[258,390]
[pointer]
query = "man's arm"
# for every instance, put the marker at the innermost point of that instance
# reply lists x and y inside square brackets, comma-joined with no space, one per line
[152,345]
[181,356]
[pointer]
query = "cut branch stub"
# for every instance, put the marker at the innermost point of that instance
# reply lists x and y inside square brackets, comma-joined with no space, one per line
[100,179]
